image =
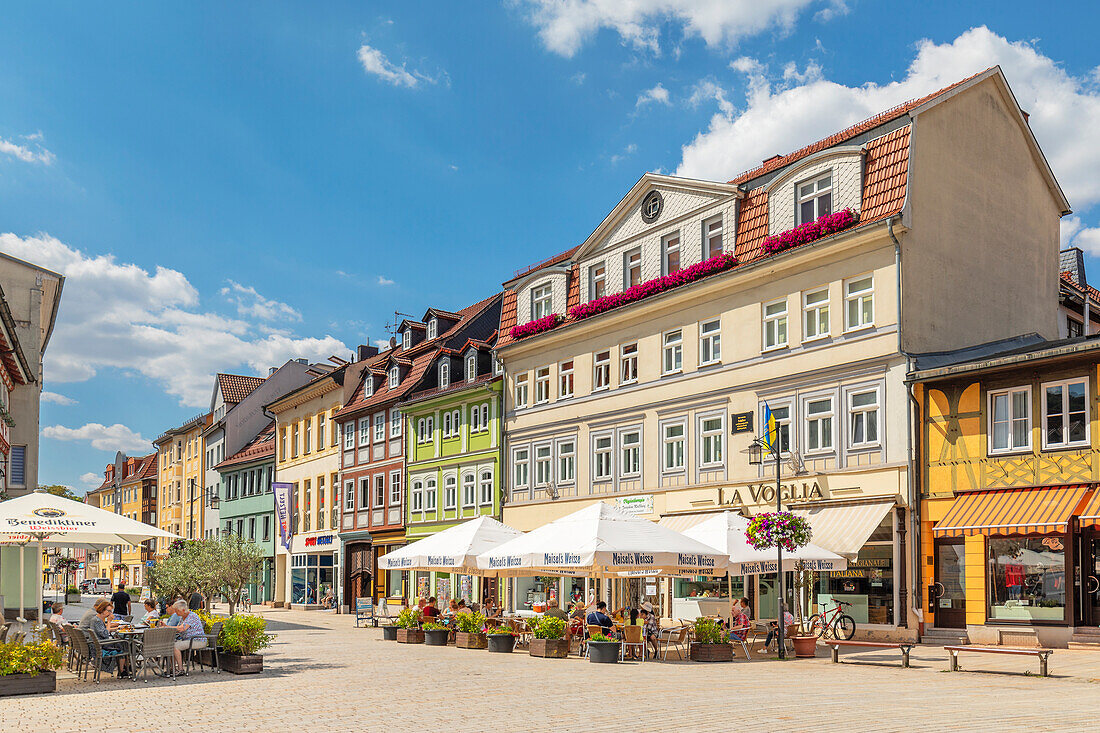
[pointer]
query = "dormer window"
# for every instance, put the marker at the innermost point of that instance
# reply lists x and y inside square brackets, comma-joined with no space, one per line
[670,253]
[444,375]
[406,339]
[471,366]
[597,281]
[814,198]
[542,301]
[433,328]
[712,237]
[368,386]
[395,374]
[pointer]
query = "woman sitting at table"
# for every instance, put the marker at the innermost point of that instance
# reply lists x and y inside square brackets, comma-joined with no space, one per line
[450,612]
[150,617]
[192,635]
[100,621]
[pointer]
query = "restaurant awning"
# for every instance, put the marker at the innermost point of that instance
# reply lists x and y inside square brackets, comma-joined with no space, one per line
[1032,509]
[1090,515]
[844,526]
[684,522]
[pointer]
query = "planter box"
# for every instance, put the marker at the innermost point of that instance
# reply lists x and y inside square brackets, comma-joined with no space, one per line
[72,598]
[27,684]
[554,648]
[436,637]
[470,641]
[241,663]
[604,652]
[410,636]
[711,652]
[389,633]
[502,643]
[805,647]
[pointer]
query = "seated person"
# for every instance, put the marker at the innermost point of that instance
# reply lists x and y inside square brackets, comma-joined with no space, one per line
[461,608]
[600,618]
[773,629]
[99,620]
[328,601]
[150,617]
[491,609]
[553,611]
[56,618]
[192,634]
[739,621]
[451,610]
[651,627]
[428,609]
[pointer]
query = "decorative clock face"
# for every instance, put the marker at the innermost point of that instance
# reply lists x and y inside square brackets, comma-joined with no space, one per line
[651,206]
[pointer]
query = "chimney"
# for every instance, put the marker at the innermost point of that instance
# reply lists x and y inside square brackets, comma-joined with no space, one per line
[272,370]
[365,352]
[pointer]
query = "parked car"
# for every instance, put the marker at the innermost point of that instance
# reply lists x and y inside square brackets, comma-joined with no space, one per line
[95,585]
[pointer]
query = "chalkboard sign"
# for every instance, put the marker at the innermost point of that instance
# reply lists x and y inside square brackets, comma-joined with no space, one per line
[741,422]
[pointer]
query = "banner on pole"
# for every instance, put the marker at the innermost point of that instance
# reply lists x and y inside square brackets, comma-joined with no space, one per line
[282,510]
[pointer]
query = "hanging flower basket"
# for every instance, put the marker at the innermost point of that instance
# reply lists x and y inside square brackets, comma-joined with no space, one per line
[810,231]
[537,326]
[778,529]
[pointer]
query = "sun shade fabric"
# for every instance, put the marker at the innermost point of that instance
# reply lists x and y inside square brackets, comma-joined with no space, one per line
[1090,515]
[844,528]
[727,532]
[453,550]
[684,522]
[1032,510]
[61,522]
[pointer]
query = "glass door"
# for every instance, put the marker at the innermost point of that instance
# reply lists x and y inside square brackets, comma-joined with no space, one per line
[1091,561]
[950,584]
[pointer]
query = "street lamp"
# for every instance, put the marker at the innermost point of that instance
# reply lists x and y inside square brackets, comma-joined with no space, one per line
[758,450]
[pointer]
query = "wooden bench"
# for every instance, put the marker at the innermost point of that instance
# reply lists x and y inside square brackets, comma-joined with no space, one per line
[1043,654]
[905,648]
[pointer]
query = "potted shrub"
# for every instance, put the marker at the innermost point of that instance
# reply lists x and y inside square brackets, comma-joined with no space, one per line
[408,627]
[502,640]
[435,634]
[471,631]
[710,644]
[549,638]
[242,636]
[603,650]
[28,669]
[389,632]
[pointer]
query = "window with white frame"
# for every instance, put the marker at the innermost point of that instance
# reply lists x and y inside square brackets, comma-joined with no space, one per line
[775,324]
[395,488]
[863,410]
[380,490]
[469,490]
[395,376]
[456,422]
[565,379]
[429,494]
[416,499]
[630,453]
[710,342]
[815,198]
[567,461]
[670,253]
[379,427]
[349,496]
[597,281]
[542,385]
[628,364]
[1066,413]
[672,447]
[421,431]
[712,434]
[433,328]
[672,358]
[521,390]
[520,468]
[815,314]
[475,419]
[543,465]
[712,237]
[349,436]
[364,431]
[446,424]
[782,415]
[320,433]
[632,268]
[485,416]
[601,458]
[542,301]
[859,303]
[819,424]
[406,339]
[450,492]
[395,423]
[486,487]
[364,493]
[444,374]
[601,370]
[368,385]
[471,366]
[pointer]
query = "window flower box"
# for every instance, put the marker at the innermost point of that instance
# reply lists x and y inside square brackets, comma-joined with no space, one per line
[537,326]
[810,231]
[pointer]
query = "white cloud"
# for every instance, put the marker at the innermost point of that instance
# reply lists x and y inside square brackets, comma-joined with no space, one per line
[109,438]
[251,303]
[627,151]
[383,281]
[1076,234]
[58,399]
[375,63]
[91,479]
[120,316]
[564,27]
[578,78]
[781,116]
[35,154]
[382,344]
[656,95]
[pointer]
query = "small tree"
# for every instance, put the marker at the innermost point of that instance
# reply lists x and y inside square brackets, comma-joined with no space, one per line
[239,559]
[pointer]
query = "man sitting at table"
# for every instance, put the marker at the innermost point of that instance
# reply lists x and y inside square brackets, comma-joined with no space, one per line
[428,610]
[191,635]
[739,621]
[600,618]
[553,611]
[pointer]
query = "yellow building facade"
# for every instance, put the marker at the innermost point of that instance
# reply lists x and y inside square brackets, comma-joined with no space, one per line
[180,479]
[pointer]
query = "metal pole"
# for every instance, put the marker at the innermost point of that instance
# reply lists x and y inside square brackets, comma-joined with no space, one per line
[779,552]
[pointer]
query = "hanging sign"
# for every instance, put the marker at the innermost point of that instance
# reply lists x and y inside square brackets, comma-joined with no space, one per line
[282,511]
[636,504]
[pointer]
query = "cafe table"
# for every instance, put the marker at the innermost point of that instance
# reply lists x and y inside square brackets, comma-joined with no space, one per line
[133,638]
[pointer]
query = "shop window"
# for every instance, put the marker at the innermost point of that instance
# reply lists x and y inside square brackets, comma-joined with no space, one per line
[868,581]
[1027,578]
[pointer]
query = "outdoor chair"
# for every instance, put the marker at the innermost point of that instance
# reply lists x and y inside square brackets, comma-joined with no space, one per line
[158,647]
[212,645]
[590,630]
[98,654]
[70,632]
[677,637]
[634,638]
[82,653]
[735,639]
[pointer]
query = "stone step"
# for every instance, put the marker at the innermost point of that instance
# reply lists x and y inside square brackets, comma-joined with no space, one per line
[1084,646]
[944,637]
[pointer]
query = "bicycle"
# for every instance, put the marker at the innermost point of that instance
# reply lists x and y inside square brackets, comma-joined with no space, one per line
[839,625]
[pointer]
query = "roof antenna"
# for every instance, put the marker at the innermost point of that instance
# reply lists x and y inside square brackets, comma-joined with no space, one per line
[391,328]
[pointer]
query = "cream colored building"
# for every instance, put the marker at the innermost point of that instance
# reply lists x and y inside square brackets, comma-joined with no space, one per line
[307,457]
[644,403]
[180,472]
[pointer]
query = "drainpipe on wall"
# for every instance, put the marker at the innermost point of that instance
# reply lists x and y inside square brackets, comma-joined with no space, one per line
[502,471]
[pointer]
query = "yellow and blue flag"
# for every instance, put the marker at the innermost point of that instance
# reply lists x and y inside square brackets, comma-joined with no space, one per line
[771,429]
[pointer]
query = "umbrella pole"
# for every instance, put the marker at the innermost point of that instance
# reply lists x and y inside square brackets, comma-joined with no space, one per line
[38,563]
[22,578]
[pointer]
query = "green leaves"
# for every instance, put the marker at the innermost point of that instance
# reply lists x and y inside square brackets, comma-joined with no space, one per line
[408,619]
[549,627]
[470,623]
[245,634]
[29,658]
[708,631]
[208,566]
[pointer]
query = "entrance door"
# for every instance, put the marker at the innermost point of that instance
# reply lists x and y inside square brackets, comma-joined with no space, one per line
[950,571]
[1091,563]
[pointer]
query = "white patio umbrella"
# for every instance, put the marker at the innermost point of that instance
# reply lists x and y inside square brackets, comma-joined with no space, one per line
[453,550]
[55,521]
[602,541]
[726,532]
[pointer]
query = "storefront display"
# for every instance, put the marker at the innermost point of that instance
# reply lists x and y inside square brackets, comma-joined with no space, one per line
[704,596]
[867,583]
[311,577]
[536,591]
[1027,578]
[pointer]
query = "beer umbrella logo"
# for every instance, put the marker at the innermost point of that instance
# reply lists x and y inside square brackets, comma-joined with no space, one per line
[48,513]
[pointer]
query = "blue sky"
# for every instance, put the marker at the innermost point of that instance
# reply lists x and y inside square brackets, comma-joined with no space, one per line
[236,186]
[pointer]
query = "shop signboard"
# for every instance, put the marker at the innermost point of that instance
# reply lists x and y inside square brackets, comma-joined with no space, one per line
[636,504]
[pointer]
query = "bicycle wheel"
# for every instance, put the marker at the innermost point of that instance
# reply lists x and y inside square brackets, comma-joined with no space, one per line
[844,628]
[817,625]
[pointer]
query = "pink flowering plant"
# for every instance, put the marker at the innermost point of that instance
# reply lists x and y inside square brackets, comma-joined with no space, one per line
[810,231]
[718,263]
[778,529]
[536,326]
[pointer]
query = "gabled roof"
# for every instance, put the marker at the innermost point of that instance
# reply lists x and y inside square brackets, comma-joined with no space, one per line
[447,315]
[235,387]
[149,467]
[260,447]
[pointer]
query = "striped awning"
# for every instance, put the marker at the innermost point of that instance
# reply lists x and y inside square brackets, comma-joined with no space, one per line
[1090,515]
[1035,509]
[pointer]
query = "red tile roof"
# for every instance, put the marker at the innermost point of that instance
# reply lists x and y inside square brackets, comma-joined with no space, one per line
[149,467]
[260,447]
[1068,281]
[235,387]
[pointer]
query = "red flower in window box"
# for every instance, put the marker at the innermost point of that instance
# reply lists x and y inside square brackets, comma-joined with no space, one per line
[810,231]
[537,326]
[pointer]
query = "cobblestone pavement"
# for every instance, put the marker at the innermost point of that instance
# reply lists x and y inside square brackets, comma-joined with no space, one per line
[324,674]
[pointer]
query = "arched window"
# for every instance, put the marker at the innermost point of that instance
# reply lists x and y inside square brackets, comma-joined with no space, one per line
[417,499]
[450,492]
[486,487]
[469,497]
[471,366]
[444,375]
[429,495]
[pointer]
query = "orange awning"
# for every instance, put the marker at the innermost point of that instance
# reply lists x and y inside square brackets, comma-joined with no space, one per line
[1090,515]
[1035,509]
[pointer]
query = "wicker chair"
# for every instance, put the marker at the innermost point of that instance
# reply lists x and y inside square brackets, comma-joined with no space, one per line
[211,644]
[99,654]
[81,653]
[158,647]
